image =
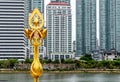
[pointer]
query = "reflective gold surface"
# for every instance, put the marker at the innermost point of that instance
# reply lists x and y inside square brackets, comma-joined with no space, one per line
[36,34]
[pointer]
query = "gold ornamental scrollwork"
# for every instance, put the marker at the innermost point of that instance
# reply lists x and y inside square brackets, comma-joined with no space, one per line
[36,34]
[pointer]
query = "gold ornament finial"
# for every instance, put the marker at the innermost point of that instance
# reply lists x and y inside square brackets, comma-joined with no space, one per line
[36,34]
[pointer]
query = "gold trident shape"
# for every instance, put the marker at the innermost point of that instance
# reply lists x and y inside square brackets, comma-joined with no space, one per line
[36,34]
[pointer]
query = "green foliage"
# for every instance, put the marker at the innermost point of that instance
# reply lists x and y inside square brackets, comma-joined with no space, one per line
[86,57]
[28,61]
[69,61]
[105,64]
[49,61]
[10,63]
[56,61]
[84,62]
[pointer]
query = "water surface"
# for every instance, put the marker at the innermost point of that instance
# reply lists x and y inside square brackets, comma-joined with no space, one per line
[82,77]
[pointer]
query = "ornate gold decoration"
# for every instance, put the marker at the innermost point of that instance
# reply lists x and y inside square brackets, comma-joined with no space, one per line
[36,34]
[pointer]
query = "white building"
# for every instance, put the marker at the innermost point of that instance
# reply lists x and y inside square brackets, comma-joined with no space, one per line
[58,22]
[12,38]
[58,56]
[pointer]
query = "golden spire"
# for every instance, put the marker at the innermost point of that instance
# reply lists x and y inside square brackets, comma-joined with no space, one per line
[36,34]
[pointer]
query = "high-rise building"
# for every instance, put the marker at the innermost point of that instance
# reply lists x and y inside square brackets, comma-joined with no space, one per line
[58,22]
[85,26]
[109,24]
[27,11]
[68,1]
[37,4]
[12,38]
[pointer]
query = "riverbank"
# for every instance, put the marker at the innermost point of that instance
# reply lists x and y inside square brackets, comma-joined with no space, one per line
[88,71]
[74,71]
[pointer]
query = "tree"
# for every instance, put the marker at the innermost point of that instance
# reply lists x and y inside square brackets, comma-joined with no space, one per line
[28,60]
[86,57]
[12,62]
[69,60]
[5,64]
[49,61]
[56,61]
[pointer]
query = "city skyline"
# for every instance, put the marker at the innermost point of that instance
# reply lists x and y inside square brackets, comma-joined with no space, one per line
[73,6]
[90,14]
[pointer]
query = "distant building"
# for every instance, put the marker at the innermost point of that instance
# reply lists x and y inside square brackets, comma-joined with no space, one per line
[68,1]
[12,38]
[110,55]
[109,24]
[59,56]
[37,4]
[85,26]
[58,22]
[96,55]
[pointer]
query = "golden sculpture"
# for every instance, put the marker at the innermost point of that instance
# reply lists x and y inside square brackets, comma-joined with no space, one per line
[36,34]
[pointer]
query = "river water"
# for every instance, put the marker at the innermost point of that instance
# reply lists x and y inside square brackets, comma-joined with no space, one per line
[82,77]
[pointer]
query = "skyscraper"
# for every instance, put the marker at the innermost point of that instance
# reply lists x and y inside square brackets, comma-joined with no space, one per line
[110,24]
[58,21]
[85,26]
[39,4]
[27,11]
[12,38]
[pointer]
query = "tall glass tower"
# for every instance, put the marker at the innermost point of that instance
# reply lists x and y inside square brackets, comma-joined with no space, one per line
[110,24]
[85,26]
[39,4]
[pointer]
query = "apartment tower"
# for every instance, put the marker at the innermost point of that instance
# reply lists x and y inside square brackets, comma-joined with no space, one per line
[58,22]
[85,26]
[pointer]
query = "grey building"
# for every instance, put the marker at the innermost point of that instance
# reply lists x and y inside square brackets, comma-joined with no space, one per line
[110,24]
[85,26]
[12,38]
[37,4]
